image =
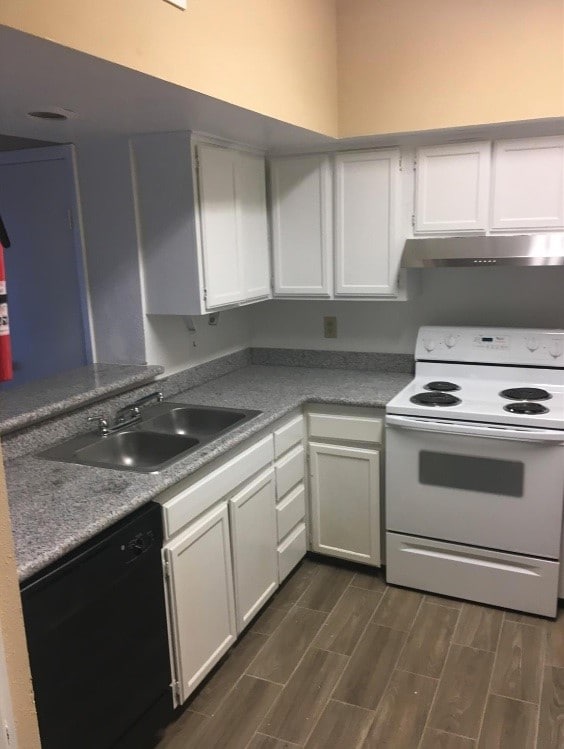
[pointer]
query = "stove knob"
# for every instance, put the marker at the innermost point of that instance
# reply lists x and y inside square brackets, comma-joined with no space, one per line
[429,344]
[532,344]
[450,341]
[556,348]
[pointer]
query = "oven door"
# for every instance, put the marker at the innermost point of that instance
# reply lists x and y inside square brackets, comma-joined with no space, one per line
[485,485]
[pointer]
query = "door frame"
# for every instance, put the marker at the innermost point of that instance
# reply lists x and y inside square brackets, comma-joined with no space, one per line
[66,153]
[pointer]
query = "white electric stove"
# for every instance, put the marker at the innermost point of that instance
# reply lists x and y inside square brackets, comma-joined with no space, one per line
[475,467]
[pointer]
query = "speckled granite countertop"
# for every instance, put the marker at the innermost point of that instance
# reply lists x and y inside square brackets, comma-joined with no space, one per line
[32,403]
[57,506]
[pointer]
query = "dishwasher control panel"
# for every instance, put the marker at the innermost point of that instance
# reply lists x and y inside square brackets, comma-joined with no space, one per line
[138,545]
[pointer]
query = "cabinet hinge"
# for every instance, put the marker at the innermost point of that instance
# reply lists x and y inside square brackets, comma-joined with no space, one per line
[8,737]
[205,295]
[176,689]
[166,569]
[400,164]
[414,164]
[413,220]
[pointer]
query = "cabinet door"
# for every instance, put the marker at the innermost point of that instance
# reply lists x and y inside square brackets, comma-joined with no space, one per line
[301,225]
[528,191]
[201,603]
[218,226]
[367,249]
[452,188]
[253,525]
[250,188]
[345,502]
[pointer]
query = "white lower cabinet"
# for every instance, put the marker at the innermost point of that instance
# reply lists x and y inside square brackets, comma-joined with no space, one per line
[201,601]
[345,502]
[253,531]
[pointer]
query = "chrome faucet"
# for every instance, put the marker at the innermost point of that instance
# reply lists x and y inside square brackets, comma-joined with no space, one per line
[125,416]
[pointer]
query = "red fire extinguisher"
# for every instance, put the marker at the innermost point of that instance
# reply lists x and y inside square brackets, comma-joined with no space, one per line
[6,371]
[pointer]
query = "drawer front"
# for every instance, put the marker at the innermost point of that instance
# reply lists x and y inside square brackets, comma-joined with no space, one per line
[291,551]
[290,511]
[346,428]
[496,578]
[289,435]
[191,502]
[289,471]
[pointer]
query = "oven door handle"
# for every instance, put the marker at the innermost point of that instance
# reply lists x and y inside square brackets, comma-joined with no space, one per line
[441,426]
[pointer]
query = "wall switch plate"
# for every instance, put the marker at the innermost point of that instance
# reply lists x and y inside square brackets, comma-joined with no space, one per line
[179,3]
[330,327]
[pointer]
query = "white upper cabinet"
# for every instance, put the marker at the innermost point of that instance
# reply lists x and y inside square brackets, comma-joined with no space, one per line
[367,242]
[222,259]
[203,224]
[252,230]
[528,184]
[452,188]
[301,196]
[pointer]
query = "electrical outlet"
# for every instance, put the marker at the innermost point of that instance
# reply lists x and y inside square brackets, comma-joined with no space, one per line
[330,327]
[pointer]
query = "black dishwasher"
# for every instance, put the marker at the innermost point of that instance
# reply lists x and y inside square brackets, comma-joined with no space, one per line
[97,639]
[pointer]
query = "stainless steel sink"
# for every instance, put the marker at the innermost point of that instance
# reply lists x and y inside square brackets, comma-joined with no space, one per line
[164,434]
[197,420]
[136,450]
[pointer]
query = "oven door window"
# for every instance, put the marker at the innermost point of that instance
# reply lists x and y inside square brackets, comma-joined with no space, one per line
[484,475]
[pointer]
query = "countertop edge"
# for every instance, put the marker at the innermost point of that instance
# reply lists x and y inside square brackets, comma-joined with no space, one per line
[73,402]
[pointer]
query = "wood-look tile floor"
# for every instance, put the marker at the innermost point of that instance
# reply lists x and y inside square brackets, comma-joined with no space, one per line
[339,660]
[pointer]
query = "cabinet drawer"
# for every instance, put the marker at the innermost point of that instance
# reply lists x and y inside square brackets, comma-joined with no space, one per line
[288,436]
[346,428]
[496,578]
[191,502]
[290,511]
[291,551]
[289,471]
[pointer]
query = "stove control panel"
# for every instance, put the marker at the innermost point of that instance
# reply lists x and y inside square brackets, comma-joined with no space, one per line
[519,346]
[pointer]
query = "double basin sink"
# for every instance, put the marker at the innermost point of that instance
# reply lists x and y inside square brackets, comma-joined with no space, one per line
[164,434]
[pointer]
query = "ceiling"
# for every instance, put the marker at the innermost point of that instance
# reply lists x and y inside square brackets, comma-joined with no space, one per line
[110,100]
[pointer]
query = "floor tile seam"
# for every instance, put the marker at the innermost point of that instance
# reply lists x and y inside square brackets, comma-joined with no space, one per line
[458,735]
[543,655]
[353,651]
[457,607]
[432,705]
[323,612]
[220,705]
[416,673]
[423,602]
[392,672]
[279,696]
[408,634]
[490,682]
[268,640]
[537,625]
[263,733]
[515,699]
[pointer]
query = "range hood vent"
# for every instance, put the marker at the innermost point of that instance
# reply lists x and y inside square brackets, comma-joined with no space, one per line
[464,252]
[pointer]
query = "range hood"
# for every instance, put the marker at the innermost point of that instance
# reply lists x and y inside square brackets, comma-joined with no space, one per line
[523,249]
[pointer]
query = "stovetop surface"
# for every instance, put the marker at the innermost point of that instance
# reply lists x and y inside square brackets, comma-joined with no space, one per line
[479,394]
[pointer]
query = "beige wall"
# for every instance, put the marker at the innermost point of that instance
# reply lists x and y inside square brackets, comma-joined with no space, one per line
[276,57]
[423,64]
[13,635]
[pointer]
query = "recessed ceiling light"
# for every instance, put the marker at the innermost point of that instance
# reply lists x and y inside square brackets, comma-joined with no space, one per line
[57,114]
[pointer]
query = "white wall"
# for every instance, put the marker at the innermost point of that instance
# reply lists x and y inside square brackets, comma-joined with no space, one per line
[519,297]
[169,342]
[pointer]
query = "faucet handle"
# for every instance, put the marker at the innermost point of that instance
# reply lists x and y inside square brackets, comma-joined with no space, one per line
[103,423]
[157,396]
